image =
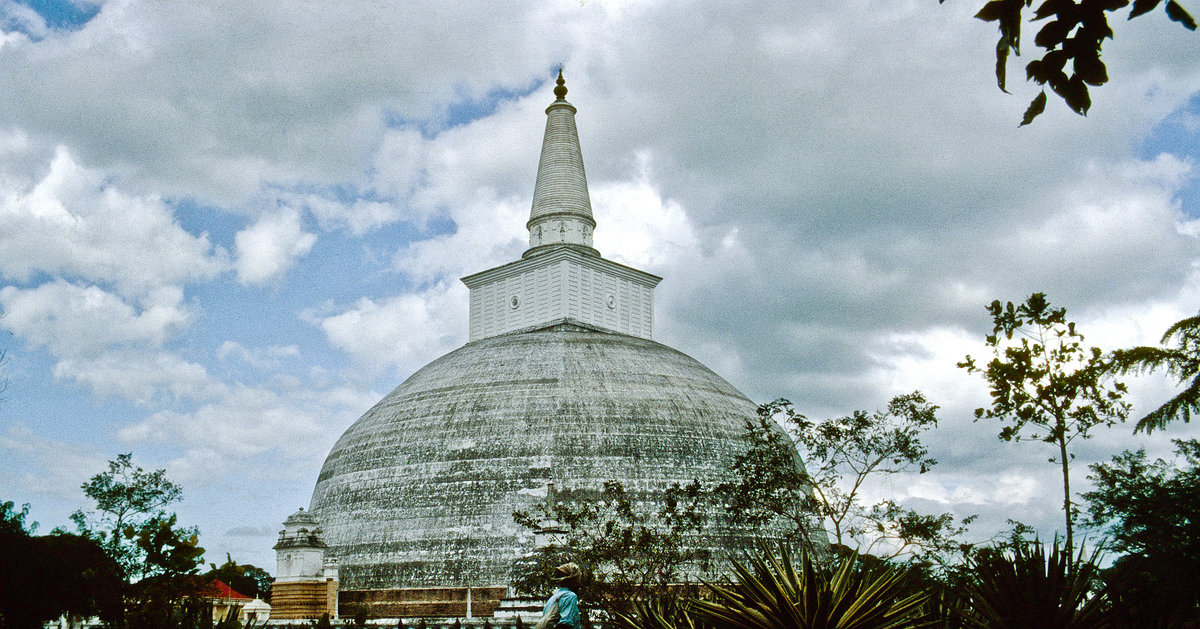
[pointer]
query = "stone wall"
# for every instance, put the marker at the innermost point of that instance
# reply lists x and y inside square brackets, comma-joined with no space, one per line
[298,600]
[450,602]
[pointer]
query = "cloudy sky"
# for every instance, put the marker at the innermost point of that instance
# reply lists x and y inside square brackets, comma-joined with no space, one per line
[228,228]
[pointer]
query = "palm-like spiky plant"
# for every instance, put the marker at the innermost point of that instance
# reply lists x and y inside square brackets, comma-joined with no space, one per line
[1182,362]
[667,611]
[1032,589]
[773,592]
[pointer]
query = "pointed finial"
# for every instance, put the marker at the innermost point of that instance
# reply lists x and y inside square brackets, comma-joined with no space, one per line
[561,90]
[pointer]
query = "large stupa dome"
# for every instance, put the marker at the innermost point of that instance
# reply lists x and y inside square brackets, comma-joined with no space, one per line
[421,490]
[559,389]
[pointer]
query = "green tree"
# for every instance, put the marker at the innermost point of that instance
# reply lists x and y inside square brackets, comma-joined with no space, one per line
[170,550]
[843,455]
[1151,510]
[159,558]
[169,593]
[244,578]
[13,521]
[45,577]
[768,483]
[625,552]
[1072,32]
[1181,361]
[1046,385]
[127,497]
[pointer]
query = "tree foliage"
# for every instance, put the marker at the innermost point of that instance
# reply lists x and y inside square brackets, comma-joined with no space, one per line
[45,577]
[169,593]
[841,457]
[244,578]
[624,550]
[170,550]
[1181,361]
[1071,36]
[768,482]
[13,521]
[160,558]
[1046,385]
[127,497]
[1152,513]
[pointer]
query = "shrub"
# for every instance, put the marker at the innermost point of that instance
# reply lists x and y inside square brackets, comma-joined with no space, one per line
[1027,588]
[773,592]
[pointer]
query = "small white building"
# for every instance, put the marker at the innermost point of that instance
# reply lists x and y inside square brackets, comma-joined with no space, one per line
[255,611]
[306,582]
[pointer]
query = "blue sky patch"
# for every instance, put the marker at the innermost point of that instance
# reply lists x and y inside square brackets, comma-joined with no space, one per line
[463,109]
[63,14]
[466,110]
[1179,135]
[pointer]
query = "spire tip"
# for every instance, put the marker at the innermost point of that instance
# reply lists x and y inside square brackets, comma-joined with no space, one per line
[560,90]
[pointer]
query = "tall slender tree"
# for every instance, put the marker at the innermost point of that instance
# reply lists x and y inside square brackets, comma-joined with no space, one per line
[1046,385]
[159,557]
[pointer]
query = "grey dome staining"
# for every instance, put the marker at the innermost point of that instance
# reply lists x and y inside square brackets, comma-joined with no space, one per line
[421,490]
[561,384]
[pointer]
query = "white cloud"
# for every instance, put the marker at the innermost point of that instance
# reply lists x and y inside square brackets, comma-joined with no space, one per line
[249,113]
[403,332]
[459,175]
[51,468]
[272,246]
[260,357]
[13,142]
[83,321]
[242,424]
[18,22]
[112,345]
[400,162]
[637,226]
[490,227]
[75,223]
[142,377]
[359,216]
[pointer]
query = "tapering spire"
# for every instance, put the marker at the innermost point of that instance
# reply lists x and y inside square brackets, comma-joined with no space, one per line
[562,209]
[561,279]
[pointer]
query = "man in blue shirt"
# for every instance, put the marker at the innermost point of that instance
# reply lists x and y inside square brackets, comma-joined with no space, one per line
[562,609]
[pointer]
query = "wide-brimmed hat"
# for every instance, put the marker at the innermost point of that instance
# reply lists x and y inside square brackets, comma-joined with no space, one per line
[567,572]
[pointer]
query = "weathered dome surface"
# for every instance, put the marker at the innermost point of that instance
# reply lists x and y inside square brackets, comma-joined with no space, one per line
[420,491]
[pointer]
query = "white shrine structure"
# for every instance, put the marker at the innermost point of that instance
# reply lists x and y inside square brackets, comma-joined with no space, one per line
[560,385]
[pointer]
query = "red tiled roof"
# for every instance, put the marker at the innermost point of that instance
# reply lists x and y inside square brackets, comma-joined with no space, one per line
[219,589]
